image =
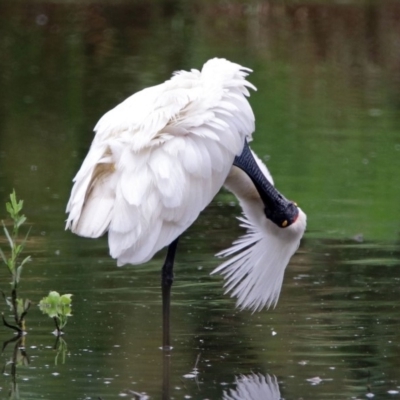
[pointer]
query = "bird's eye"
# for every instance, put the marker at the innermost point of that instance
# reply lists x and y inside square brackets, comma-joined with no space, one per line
[295,204]
[284,223]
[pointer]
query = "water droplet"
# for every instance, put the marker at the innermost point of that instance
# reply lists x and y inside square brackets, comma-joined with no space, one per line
[375,112]
[41,19]
[315,381]
[28,99]
[189,376]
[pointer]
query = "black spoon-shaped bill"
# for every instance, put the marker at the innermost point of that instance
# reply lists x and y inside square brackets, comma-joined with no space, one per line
[276,207]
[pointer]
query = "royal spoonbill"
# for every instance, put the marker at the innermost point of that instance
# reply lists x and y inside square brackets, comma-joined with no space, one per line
[158,159]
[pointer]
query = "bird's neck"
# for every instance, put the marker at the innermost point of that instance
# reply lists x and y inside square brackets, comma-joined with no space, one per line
[239,183]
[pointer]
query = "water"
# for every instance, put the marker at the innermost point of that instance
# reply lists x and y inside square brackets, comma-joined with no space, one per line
[327,125]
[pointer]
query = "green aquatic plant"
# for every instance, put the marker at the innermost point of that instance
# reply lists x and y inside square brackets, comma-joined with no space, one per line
[57,307]
[18,306]
[14,209]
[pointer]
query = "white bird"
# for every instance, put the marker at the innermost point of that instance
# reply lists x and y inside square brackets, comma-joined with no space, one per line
[159,158]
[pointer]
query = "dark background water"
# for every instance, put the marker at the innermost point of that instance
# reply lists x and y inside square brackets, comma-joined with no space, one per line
[328,126]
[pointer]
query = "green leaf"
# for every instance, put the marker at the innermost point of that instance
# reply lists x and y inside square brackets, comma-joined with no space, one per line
[7,300]
[27,304]
[21,220]
[11,265]
[54,297]
[18,273]
[10,209]
[17,205]
[48,308]
[3,256]
[26,238]
[20,306]
[25,260]
[66,299]
[10,304]
[8,236]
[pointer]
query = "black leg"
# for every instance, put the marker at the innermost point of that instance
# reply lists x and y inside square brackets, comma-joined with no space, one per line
[167,277]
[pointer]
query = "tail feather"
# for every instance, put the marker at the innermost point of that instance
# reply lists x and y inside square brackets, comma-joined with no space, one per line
[95,217]
[92,201]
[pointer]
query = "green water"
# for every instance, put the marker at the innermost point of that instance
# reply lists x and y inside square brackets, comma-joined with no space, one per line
[328,126]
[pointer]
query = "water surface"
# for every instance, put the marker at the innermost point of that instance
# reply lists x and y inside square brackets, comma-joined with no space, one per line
[328,128]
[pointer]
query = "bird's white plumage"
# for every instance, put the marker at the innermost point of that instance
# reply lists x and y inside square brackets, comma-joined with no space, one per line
[254,273]
[159,158]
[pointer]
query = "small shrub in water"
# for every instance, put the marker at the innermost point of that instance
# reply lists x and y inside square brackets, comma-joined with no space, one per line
[18,306]
[57,307]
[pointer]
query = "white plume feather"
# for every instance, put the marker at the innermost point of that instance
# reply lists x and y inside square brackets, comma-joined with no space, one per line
[254,274]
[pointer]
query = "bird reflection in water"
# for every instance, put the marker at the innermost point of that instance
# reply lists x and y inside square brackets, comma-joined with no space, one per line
[254,387]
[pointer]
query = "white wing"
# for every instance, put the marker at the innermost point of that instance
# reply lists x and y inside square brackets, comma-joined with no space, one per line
[159,158]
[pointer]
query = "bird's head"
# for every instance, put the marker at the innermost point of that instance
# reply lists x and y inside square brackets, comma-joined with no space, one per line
[284,213]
